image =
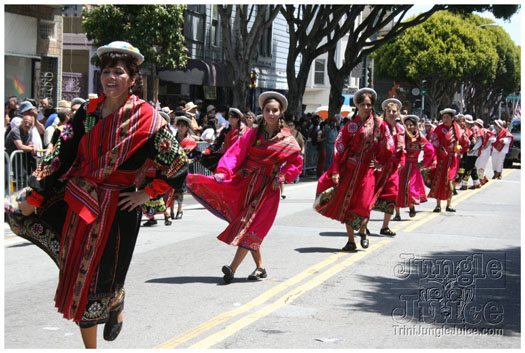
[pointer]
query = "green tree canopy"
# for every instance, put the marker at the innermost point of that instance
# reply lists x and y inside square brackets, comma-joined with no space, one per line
[445,51]
[156,30]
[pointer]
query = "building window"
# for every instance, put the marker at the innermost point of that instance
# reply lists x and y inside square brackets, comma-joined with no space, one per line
[319,72]
[194,24]
[265,47]
[214,26]
[46,30]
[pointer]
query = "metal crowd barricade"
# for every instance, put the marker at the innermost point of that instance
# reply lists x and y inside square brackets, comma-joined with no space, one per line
[196,166]
[310,156]
[21,165]
[7,174]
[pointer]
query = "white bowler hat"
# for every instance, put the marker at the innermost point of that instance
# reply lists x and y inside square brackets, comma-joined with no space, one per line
[121,47]
[448,111]
[78,100]
[362,91]
[391,100]
[499,123]
[479,122]
[469,119]
[183,118]
[276,95]
[235,111]
[164,115]
[411,117]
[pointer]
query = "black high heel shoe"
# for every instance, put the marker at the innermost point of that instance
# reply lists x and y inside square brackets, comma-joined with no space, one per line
[179,215]
[112,327]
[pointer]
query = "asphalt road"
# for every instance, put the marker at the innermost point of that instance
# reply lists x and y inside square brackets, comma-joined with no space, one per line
[448,280]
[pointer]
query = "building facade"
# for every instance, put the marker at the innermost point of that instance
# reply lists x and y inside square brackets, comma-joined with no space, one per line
[33,51]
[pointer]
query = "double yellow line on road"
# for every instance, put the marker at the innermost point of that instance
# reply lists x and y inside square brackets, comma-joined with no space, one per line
[264,297]
[294,293]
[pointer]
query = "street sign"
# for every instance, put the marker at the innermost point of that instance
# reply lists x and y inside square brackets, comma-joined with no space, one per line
[513,97]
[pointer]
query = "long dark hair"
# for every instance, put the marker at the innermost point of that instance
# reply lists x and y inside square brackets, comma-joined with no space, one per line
[112,58]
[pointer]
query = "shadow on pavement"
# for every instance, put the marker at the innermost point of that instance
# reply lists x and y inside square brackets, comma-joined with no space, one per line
[317,250]
[479,289]
[197,279]
[20,245]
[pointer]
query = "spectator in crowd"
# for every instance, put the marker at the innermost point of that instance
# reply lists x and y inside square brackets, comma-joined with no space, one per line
[20,138]
[191,109]
[222,122]
[44,104]
[330,132]
[12,105]
[321,148]
[76,103]
[209,132]
[200,108]
[64,115]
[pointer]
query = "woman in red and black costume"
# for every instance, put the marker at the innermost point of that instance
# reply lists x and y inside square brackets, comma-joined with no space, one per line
[85,199]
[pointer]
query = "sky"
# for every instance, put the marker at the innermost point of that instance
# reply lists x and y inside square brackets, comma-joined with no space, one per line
[513,27]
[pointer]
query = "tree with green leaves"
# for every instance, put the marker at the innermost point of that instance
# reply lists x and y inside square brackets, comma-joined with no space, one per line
[156,30]
[241,38]
[316,29]
[446,51]
[482,98]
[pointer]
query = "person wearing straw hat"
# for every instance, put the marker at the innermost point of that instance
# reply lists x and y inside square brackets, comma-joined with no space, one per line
[488,138]
[449,142]
[472,154]
[244,190]
[500,147]
[411,183]
[387,179]
[345,192]
[83,198]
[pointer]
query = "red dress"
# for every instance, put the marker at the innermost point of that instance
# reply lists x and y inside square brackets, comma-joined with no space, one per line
[449,143]
[411,184]
[356,145]
[387,178]
[244,198]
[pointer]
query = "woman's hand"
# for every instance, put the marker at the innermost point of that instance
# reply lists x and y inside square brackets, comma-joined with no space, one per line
[374,165]
[219,177]
[335,178]
[130,200]
[277,181]
[26,208]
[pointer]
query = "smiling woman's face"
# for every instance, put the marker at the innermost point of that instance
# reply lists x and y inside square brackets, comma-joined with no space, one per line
[116,81]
